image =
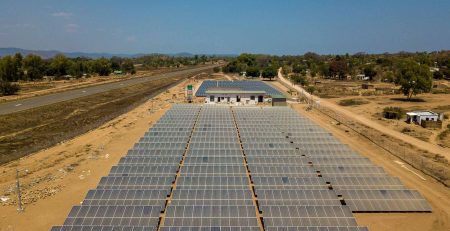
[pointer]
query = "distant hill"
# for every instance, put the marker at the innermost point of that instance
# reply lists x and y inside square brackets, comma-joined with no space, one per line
[51,53]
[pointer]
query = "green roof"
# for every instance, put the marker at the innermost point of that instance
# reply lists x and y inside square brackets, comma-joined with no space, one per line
[234,92]
[278,97]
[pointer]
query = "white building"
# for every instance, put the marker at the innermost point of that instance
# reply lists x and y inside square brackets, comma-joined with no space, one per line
[419,116]
[235,96]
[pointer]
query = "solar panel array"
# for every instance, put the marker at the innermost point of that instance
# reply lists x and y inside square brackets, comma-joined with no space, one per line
[205,168]
[213,187]
[244,85]
[135,192]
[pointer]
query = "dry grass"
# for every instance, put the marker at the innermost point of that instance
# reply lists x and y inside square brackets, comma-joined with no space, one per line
[28,131]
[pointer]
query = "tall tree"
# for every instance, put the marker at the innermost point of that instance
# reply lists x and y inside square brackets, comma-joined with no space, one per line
[253,71]
[414,78]
[33,66]
[339,68]
[60,65]
[269,72]
[17,66]
[370,72]
[7,72]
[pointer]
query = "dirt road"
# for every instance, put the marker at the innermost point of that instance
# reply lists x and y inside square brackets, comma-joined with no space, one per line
[432,148]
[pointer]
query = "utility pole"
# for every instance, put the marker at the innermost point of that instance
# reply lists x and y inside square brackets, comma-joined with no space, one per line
[19,196]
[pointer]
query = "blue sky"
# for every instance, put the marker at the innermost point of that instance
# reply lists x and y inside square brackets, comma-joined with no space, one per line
[226,26]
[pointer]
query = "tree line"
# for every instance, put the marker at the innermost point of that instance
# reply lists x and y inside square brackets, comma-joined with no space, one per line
[33,68]
[413,72]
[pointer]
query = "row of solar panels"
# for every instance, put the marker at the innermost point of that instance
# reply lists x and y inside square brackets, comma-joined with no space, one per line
[135,192]
[363,186]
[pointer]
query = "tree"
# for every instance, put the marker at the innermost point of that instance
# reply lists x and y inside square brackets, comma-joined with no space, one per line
[216,69]
[269,72]
[438,75]
[414,78]
[7,72]
[102,67]
[253,71]
[370,72]
[338,68]
[33,66]
[7,88]
[128,66]
[60,65]
[299,79]
[17,67]
[298,69]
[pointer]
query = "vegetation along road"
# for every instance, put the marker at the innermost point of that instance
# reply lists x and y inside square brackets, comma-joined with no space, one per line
[29,103]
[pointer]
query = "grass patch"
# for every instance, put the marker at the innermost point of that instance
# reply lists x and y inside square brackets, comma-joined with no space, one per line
[352,102]
[393,112]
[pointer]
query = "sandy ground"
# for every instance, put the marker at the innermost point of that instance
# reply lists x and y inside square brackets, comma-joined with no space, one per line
[55,179]
[375,104]
[436,194]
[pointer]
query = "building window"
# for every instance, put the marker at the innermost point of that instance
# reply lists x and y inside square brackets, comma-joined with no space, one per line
[211,98]
[252,97]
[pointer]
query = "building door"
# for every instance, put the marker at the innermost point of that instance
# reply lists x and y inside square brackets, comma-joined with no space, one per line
[260,98]
[238,98]
[218,99]
[211,98]
[228,99]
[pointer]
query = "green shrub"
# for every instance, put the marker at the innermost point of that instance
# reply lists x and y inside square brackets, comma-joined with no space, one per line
[352,102]
[7,88]
[393,112]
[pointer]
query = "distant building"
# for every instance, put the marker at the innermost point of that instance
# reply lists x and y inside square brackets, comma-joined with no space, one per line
[362,77]
[419,116]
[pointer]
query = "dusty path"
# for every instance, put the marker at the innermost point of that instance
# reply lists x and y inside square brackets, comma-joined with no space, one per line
[408,139]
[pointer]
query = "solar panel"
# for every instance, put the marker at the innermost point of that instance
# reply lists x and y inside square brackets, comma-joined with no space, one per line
[288,169]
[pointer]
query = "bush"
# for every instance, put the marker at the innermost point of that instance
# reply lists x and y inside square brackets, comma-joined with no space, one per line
[352,102]
[216,69]
[393,112]
[7,88]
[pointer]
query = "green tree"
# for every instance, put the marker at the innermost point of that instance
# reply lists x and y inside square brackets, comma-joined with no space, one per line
[7,72]
[269,72]
[370,72]
[60,65]
[33,66]
[102,67]
[299,79]
[128,66]
[17,66]
[253,71]
[414,78]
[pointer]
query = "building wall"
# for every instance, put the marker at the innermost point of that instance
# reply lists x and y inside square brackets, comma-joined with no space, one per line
[245,99]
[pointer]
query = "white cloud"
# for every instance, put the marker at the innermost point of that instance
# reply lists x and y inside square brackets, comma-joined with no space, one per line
[131,39]
[62,14]
[71,27]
